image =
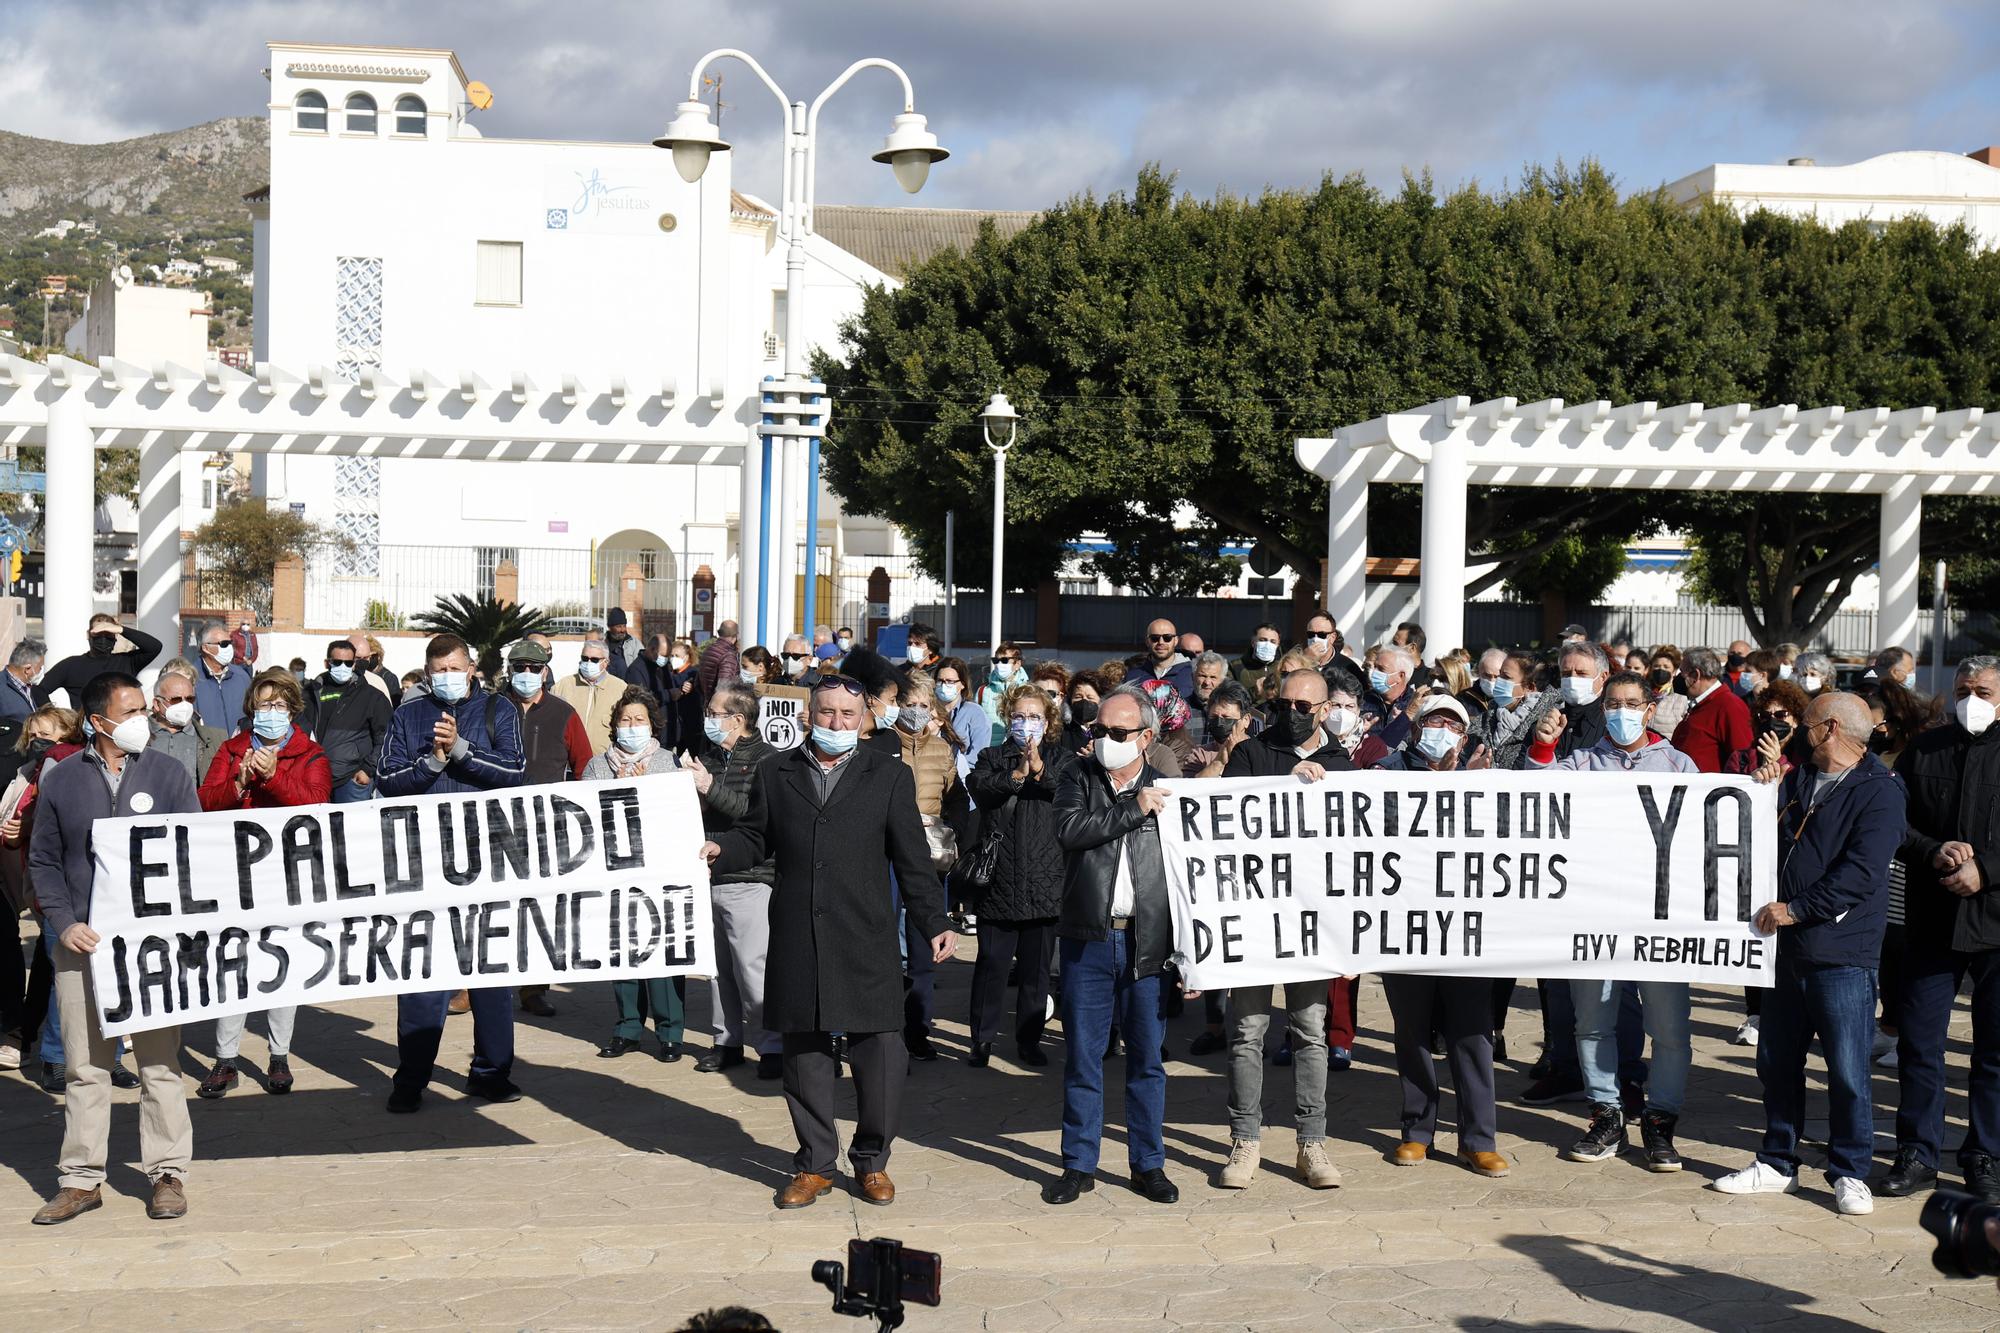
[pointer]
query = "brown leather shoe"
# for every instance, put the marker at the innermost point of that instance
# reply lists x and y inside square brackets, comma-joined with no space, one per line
[67,1204]
[1486,1163]
[460,1003]
[805,1187]
[169,1200]
[877,1188]
[1411,1153]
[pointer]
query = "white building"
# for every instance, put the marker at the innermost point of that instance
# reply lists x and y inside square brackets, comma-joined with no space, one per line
[394,236]
[1943,187]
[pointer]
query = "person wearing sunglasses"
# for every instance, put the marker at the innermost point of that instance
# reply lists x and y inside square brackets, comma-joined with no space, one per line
[593,691]
[837,817]
[1115,935]
[1005,672]
[1841,820]
[1162,659]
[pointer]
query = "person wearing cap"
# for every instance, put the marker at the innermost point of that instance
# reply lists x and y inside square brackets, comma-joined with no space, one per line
[1574,634]
[627,653]
[826,662]
[555,745]
[1461,1008]
[1628,746]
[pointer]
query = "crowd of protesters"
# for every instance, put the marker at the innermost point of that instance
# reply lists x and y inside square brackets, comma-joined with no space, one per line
[1017,800]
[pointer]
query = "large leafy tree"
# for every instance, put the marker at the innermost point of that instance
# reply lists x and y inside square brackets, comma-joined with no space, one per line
[237,551]
[1167,351]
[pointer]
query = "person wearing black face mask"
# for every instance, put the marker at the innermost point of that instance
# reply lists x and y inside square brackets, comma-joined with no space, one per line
[74,674]
[1086,688]
[1292,739]
[1776,714]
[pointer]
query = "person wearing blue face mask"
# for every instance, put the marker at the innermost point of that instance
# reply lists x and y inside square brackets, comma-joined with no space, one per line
[1389,684]
[725,777]
[1582,669]
[1628,746]
[452,738]
[350,719]
[1003,674]
[270,764]
[836,816]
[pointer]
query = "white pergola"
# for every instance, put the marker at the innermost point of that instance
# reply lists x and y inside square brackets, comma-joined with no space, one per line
[74,408]
[1446,446]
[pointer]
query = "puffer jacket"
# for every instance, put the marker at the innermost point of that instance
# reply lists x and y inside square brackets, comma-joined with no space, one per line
[1093,825]
[1028,875]
[728,798]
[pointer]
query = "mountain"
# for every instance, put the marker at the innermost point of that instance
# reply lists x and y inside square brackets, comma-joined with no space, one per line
[136,189]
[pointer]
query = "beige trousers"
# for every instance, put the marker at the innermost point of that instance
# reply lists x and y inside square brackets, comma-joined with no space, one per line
[166,1137]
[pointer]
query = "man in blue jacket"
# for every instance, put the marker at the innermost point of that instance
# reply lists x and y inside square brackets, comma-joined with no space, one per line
[1840,822]
[454,737]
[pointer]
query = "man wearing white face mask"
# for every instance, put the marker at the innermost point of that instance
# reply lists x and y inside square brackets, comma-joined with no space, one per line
[1951,851]
[220,682]
[455,738]
[1628,746]
[113,776]
[176,732]
[1583,668]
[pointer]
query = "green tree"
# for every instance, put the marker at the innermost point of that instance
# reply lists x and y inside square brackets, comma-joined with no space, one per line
[486,625]
[237,551]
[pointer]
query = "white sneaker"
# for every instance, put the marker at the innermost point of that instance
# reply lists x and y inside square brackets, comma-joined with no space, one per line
[1851,1197]
[1757,1178]
[1746,1033]
[1885,1042]
[10,1057]
[1889,1059]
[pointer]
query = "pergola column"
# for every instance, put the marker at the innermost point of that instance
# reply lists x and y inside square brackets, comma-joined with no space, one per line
[160,536]
[1902,521]
[1441,578]
[1346,591]
[69,525]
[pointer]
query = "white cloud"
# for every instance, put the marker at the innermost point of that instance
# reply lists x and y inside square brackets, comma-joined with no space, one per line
[1042,98]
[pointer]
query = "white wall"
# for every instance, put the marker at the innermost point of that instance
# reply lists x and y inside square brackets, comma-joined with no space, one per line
[1944,187]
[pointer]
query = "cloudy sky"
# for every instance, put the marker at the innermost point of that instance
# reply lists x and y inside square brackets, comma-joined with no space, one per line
[1042,98]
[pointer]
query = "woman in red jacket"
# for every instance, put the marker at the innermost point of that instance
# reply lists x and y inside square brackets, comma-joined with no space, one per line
[269,763]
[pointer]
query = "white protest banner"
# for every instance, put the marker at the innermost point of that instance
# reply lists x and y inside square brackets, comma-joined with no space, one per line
[1596,875]
[781,715]
[232,912]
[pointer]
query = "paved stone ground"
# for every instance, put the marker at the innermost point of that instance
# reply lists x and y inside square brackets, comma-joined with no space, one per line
[629,1193]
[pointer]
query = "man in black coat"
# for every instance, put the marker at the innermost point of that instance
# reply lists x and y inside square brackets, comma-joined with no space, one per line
[1951,855]
[1293,737]
[836,817]
[1116,932]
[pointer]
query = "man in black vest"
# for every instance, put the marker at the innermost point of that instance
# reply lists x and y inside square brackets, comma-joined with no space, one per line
[837,816]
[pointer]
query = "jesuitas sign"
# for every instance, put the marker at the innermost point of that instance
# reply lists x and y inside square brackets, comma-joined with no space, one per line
[1503,874]
[227,913]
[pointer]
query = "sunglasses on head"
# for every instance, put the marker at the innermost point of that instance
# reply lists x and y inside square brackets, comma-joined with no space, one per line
[848,683]
[1098,731]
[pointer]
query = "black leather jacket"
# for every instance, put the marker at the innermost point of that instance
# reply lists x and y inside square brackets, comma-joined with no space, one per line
[1093,826]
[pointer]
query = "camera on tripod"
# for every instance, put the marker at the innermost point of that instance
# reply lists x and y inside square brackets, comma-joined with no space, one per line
[880,1277]
[1959,1222]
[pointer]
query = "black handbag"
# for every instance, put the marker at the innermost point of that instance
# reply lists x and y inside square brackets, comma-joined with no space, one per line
[978,867]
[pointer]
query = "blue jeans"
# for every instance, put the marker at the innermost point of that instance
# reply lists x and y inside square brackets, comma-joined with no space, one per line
[1930,982]
[1559,1031]
[1098,989]
[1600,1052]
[348,792]
[1836,1003]
[50,1037]
[420,1026]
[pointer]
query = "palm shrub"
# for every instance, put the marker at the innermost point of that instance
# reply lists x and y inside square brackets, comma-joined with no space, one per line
[486,624]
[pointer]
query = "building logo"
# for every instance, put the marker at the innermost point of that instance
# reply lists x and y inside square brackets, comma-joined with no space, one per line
[558,219]
[592,199]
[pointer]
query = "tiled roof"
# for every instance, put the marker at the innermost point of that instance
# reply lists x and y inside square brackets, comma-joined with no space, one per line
[896,239]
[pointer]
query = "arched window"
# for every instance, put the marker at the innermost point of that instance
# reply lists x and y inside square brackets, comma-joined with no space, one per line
[309,111]
[360,113]
[409,115]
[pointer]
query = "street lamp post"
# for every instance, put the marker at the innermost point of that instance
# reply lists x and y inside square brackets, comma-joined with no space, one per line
[998,422]
[796,408]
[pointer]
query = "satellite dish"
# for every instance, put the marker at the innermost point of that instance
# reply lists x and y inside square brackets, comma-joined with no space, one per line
[123,277]
[479,94]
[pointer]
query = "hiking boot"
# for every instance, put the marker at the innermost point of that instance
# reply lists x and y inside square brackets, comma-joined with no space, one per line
[1241,1168]
[1316,1169]
[1656,1140]
[1604,1139]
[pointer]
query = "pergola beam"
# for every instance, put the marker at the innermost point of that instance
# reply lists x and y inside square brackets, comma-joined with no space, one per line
[1900,455]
